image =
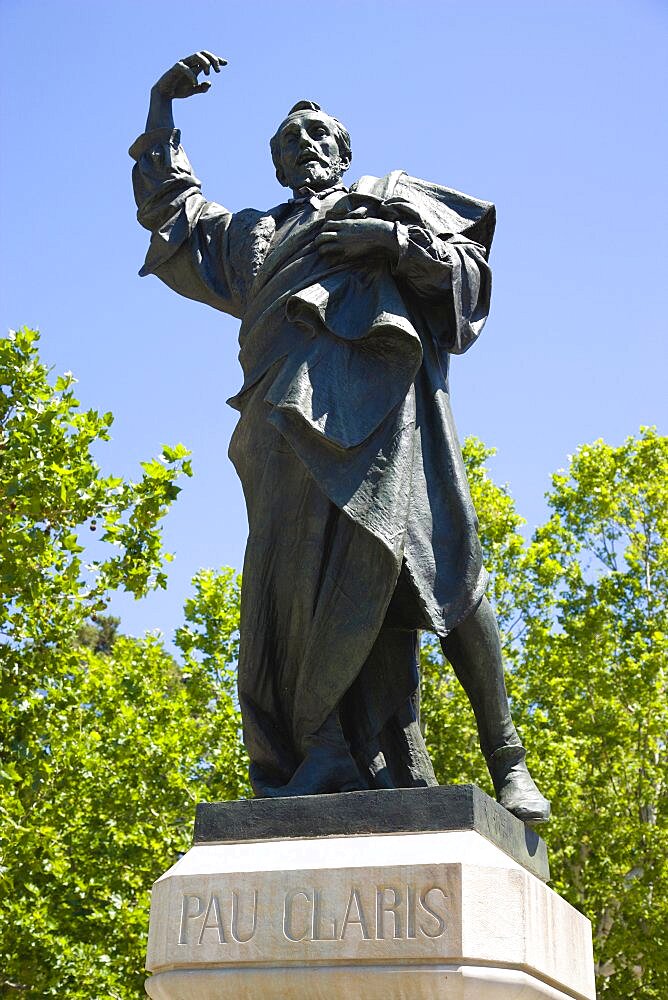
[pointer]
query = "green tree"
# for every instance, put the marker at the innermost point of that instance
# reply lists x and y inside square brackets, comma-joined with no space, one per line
[105,741]
[100,633]
[591,681]
[586,648]
[51,488]
[209,645]
[108,741]
[98,803]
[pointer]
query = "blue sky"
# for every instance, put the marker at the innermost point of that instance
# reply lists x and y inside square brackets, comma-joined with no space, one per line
[553,110]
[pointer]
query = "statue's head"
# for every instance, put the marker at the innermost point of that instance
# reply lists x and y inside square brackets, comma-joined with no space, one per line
[310,148]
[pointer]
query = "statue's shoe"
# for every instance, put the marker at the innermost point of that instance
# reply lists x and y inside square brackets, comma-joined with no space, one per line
[515,788]
[324,769]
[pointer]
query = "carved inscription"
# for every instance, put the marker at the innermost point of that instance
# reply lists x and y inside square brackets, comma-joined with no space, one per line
[219,916]
[388,911]
[398,912]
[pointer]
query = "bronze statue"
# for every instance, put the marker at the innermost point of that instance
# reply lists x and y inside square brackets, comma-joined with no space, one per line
[362,530]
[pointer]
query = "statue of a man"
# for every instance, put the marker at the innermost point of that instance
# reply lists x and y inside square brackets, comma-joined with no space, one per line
[362,530]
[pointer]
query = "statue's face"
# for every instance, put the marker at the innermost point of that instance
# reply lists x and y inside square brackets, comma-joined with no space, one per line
[309,152]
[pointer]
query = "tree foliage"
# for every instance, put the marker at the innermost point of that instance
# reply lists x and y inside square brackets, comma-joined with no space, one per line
[108,741]
[592,684]
[105,741]
[51,488]
[583,613]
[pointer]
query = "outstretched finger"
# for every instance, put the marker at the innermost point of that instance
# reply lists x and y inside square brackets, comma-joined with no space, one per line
[216,61]
[198,62]
[203,87]
[204,62]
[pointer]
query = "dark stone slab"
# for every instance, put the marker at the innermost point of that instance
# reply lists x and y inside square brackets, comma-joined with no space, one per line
[396,810]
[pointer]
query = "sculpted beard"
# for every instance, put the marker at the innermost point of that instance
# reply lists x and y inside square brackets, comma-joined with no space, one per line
[321,172]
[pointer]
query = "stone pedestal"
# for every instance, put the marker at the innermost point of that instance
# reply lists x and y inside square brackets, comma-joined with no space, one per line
[420,893]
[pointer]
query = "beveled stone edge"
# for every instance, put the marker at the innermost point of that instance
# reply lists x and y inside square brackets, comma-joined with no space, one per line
[550,989]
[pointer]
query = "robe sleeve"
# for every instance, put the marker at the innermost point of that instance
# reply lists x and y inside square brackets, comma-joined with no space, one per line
[190,247]
[452,277]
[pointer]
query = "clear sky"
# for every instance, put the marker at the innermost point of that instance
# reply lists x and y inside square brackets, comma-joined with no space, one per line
[553,109]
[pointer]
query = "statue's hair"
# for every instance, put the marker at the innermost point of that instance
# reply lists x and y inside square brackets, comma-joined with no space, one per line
[340,133]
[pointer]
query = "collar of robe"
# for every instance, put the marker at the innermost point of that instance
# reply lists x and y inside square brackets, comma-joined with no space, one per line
[308,194]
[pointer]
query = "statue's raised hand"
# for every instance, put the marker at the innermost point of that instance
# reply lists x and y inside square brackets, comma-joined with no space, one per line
[182,79]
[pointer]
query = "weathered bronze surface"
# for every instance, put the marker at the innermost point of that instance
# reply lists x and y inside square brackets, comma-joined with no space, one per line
[362,530]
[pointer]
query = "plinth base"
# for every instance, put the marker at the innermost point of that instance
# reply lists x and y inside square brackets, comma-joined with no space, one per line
[457,911]
[381,982]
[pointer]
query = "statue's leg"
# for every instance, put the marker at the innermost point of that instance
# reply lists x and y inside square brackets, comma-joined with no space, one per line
[474,650]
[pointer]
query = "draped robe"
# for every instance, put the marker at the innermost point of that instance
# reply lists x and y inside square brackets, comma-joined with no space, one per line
[361,526]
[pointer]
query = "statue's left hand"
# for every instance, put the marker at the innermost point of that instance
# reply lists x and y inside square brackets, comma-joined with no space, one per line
[357,236]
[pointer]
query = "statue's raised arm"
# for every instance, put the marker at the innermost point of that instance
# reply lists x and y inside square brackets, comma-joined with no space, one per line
[181,80]
[189,247]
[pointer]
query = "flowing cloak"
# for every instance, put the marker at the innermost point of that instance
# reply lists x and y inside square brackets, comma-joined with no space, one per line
[361,526]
